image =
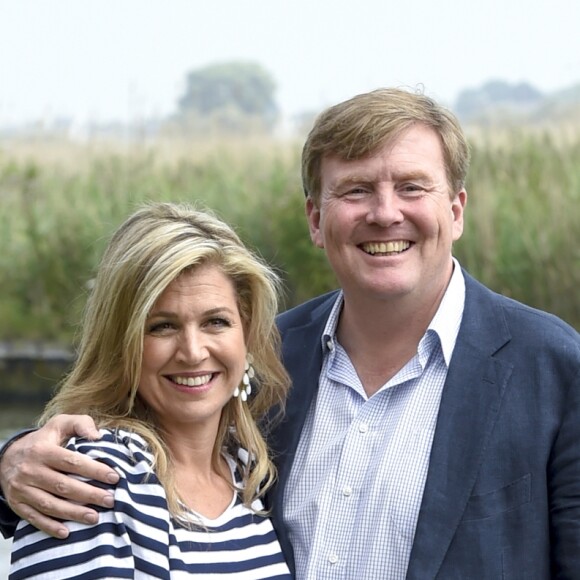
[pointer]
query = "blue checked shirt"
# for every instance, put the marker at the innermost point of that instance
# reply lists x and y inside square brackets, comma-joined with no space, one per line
[353,497]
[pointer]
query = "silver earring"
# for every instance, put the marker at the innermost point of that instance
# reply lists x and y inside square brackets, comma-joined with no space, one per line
[245,389]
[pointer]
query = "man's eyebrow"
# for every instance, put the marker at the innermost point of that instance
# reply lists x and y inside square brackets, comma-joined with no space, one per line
[365,178]
[416,175]
[351,178]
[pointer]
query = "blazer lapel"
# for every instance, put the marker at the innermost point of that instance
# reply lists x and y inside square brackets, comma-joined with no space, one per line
[302,356]
[472,396]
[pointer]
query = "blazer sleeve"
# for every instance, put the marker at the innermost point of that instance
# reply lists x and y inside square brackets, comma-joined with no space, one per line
[564,490]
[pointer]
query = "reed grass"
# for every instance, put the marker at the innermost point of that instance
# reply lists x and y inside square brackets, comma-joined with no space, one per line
[522,228]
[60,201]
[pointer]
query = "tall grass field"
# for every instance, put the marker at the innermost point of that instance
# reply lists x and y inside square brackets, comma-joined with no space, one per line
[60,201]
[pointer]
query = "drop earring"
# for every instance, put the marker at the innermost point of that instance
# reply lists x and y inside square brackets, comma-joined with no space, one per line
[245,389]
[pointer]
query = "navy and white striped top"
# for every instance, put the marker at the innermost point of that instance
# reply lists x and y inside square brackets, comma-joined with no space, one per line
[139,538]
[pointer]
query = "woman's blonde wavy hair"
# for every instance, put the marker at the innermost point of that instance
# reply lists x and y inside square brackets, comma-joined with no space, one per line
[146,253]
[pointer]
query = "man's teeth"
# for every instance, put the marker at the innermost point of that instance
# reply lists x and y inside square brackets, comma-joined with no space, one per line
[385,247]
[192,381]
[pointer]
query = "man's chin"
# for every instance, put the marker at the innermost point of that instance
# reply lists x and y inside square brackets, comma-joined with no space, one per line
[382,290]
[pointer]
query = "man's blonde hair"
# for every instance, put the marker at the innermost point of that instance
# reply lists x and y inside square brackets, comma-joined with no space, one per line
[358,127]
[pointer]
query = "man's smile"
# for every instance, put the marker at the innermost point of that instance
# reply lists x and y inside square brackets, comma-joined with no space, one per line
[388,248]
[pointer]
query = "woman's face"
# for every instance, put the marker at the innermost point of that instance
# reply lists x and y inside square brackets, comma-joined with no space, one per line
[194,350]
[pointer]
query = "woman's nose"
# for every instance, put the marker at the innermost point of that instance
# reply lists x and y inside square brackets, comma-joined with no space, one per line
[192,348]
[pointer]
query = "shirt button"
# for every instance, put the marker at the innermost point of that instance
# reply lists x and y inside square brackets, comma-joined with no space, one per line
[333,558]
[330,345]
[346,490]
[363,427]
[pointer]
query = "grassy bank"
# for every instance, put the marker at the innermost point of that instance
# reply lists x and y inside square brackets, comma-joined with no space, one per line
[60,202]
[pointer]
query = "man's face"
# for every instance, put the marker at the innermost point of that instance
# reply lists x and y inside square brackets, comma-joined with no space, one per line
[387,222]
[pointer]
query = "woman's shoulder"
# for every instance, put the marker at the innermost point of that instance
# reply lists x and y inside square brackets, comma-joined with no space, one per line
[120,448]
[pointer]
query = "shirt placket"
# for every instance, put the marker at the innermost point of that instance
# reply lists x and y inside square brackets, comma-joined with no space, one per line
[358,451]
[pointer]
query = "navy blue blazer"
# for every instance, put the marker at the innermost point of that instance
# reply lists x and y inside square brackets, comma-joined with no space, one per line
[502,496]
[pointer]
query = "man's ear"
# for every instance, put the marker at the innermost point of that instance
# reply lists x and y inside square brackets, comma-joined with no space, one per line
[457,207]
[313,216]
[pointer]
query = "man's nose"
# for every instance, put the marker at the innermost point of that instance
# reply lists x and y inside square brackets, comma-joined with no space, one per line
[384,208]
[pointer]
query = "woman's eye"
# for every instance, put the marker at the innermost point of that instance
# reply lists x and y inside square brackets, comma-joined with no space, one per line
[219,322]
[160,327]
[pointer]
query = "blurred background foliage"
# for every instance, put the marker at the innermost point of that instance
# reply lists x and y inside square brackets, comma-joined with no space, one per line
[61,197]
[61,201]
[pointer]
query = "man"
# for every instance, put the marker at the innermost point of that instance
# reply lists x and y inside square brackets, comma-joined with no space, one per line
[433,428]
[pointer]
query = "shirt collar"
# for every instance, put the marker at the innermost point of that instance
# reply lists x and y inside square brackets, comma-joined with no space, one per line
[328,336]
[445,323]
[448,317]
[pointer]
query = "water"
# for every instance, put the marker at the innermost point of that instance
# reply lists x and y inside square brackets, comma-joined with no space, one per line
[5,546]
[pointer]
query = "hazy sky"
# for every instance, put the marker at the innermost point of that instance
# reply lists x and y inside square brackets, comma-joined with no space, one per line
[127,59]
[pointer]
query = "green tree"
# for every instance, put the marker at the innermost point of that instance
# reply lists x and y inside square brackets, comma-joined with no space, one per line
[498,100]
[232,96]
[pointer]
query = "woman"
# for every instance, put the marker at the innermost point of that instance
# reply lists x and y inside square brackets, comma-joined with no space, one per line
[180,315]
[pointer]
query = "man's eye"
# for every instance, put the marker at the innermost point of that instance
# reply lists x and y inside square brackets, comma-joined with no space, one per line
[354,192]
[411,188]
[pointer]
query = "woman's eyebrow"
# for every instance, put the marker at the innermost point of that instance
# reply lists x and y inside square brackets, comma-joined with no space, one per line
[161,314]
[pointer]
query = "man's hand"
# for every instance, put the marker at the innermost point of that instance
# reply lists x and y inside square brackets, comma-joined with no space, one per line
[34,481]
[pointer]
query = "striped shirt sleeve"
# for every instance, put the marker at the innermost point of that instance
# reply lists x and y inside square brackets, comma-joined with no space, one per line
[125,540]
